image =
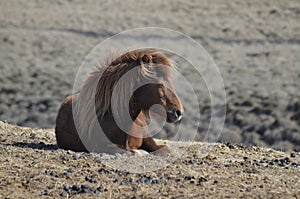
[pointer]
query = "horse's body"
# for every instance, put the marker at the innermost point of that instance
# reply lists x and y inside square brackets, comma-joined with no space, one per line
[91,110]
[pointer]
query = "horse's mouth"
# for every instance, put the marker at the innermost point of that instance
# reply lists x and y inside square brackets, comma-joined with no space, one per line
[174,116]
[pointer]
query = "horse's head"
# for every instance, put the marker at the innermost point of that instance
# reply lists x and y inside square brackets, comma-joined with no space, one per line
[145,77]
[151,94]
[160,92]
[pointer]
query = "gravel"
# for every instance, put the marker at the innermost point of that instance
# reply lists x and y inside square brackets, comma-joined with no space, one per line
[254,44]
[241,171]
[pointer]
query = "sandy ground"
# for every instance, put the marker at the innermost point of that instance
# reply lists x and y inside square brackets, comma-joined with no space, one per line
[31,166]
[255,44]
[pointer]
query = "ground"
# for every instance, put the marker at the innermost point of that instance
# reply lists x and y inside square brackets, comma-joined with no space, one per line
[31,166]
[255,45]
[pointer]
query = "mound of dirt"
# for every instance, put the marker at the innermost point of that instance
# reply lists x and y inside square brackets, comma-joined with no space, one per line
[33,167]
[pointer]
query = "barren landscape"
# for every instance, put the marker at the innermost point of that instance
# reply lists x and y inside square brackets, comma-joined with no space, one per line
[255,45]
[32,166]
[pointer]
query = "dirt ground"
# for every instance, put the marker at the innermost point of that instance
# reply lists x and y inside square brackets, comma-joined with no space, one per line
[31,166]
[255,44]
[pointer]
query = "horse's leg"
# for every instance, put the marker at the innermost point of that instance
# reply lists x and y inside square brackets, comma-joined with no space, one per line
[133,145]
[135,137]
[141,139]
[150,145]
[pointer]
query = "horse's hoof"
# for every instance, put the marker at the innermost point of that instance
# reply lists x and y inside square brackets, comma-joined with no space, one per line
[139,152]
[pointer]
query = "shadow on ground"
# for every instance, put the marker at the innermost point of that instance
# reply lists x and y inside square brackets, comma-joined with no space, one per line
[40,145]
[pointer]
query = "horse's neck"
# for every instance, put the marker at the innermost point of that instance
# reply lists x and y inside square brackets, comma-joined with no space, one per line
[134,109]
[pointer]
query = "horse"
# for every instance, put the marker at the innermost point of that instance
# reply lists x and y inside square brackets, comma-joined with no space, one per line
[85,120]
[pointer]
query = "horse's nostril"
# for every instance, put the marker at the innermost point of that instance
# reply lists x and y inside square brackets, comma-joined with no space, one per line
[177,113]
[174,116]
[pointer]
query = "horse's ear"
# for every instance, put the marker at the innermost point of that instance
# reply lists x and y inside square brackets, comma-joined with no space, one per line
[147,59]
[146,62]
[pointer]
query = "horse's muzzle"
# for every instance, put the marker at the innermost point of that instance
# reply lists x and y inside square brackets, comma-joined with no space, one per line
[174,116]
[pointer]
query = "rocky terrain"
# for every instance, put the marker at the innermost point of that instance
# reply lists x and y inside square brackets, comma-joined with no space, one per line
[31,166]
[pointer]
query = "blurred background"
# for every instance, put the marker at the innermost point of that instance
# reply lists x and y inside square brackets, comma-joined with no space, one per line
[255,44]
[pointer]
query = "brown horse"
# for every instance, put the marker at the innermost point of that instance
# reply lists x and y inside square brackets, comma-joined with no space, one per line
[86,122]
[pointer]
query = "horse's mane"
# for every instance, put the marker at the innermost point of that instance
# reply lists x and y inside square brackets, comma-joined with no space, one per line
[104,78]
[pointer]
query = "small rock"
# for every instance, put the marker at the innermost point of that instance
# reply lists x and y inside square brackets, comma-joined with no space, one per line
[247,103]
[293,155]
[126,181]
[86,189]
[67,189]
[229,145]
[75,188]
[145,180]
[75,157]
[156,181]
[63,194]
[32,136]
[225,29]
[191,161]
[287,160]
[246,158]
[67,174]
[64,157]
[294,165]
[70,170]
[103,171]
[189,177]
[202,179]
[90,179]
[100,189]
[79,189]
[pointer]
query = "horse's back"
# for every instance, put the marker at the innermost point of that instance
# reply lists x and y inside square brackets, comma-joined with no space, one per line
[65,129]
